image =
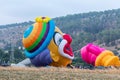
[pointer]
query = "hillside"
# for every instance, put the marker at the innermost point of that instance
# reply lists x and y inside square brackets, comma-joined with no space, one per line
[102,28]
[12,34]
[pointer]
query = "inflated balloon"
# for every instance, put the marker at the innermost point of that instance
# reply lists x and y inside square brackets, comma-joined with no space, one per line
[97,56]
[45,44]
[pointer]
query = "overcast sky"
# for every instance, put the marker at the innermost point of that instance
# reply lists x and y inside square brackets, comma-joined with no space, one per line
[12,11]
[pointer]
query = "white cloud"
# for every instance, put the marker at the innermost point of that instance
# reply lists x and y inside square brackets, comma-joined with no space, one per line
[12,11]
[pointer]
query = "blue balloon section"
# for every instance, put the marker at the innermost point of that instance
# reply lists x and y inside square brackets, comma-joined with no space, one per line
[42,59]
[28,31]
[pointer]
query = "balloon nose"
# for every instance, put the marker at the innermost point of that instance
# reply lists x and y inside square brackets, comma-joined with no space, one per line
[67,37]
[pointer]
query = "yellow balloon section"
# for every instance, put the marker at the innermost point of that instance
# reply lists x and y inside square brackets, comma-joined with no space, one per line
[107,58]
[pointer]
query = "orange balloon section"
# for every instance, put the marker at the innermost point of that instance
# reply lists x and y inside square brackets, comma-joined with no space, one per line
[27,42]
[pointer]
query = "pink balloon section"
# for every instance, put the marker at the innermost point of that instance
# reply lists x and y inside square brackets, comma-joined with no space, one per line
[90,52]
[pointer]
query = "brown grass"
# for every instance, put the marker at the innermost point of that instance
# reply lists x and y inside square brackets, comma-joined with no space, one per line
[52,73]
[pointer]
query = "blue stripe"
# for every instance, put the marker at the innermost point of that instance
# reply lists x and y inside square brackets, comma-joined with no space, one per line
[28,31]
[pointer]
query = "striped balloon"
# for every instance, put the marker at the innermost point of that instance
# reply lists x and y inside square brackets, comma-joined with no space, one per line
[37,37]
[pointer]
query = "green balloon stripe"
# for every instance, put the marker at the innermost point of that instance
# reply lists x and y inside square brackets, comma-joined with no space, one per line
[39,38]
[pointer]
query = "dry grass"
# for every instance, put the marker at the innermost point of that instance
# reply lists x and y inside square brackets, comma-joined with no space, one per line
[52,73]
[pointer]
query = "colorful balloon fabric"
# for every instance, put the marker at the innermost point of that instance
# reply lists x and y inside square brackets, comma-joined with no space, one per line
[97,56]
[38,36]
[45,44]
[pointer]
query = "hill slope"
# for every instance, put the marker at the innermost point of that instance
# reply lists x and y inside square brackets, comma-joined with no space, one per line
[101,28]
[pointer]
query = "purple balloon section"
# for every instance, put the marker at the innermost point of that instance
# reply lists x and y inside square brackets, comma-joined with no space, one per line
[42,59]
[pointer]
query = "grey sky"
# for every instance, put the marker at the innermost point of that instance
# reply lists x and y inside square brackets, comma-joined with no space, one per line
[12,11]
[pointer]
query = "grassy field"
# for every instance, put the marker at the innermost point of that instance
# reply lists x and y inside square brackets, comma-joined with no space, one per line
[52,73]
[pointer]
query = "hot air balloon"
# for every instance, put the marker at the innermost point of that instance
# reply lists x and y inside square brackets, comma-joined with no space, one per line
[46,45]
[97,56]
